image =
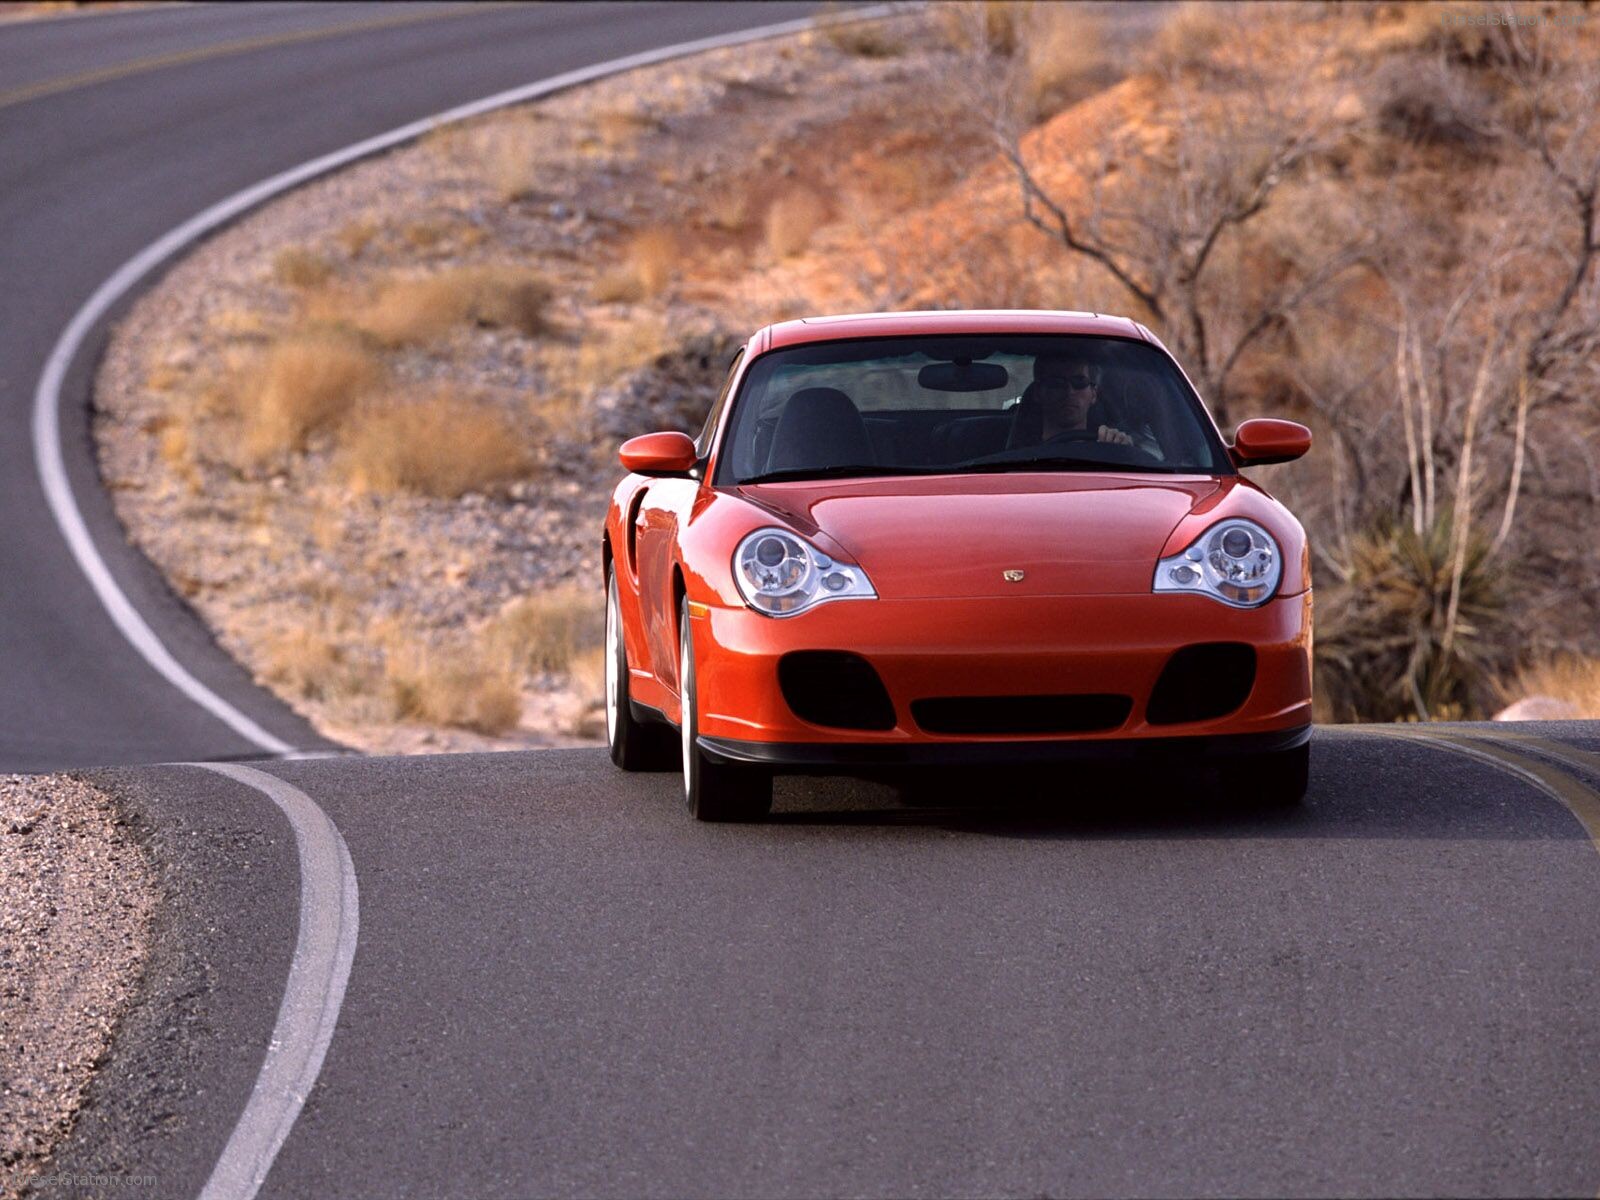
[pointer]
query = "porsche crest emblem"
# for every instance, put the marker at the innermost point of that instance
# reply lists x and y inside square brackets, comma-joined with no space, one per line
[1013,576]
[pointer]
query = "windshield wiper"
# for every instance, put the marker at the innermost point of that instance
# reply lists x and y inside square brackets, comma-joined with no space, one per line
[841,472]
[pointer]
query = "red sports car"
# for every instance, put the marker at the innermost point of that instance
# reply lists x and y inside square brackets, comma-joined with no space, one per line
[949,538]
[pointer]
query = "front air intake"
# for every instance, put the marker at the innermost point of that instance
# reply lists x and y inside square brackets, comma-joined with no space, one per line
[1202,683]
[835,689]
[998,716]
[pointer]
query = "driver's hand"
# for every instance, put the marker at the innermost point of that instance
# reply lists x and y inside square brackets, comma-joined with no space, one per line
[1108,434]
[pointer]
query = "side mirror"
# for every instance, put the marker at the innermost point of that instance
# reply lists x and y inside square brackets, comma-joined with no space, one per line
[658,454]
[1267,440]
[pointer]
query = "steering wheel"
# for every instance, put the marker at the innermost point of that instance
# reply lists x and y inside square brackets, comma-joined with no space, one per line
[1074,435]
[1093,435]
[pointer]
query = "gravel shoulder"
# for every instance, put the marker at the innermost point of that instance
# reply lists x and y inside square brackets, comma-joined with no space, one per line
[80,897]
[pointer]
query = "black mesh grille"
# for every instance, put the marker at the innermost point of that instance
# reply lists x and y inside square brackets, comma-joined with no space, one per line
[832,688]
[1201,683]
[1021,714]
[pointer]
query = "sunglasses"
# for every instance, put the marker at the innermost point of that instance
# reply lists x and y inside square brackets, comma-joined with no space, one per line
[1077,383]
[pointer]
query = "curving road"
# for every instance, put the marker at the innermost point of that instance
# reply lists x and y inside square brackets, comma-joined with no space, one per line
[562,986]
[115,129]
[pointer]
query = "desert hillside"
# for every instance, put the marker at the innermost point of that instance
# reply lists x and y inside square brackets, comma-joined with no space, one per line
[369,432]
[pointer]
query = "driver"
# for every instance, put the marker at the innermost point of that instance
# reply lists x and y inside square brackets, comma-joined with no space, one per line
[1063,391]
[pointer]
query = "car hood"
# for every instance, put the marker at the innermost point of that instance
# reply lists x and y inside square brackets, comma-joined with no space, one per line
[957,536]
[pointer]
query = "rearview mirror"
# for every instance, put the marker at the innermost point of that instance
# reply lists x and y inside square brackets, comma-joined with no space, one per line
[1268,440]
[658,454]
[963,377]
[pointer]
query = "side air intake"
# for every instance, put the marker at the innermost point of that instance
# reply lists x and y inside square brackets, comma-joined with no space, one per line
[835,689]
[1202,683]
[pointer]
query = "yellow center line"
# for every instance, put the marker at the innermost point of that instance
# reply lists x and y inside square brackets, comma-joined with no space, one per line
[66,83]
[1581,800]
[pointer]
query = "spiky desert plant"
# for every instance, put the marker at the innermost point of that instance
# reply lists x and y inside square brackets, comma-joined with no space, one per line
[1389,647]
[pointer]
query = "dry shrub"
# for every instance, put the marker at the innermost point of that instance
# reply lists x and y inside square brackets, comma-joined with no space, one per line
[588,677]
[792,219]
[239,323]
[1420,26]
[1571,679]
[625,348]
[177,450]
[1063,54]
[572,376]
[991,25]
[440,446]
[510,160]
[327,528]
[1382,650]
[423,236]
[309,664]
[295,266]
[1432,105]
[417,309]
[356,236]
[460,685]
[163,377]
[588,672]
[512,299]
[549,632]
[1192,32]
[619,131]
[620,285]
[727,209]
[649,266]
[861,39]
[453,142]
[304,383]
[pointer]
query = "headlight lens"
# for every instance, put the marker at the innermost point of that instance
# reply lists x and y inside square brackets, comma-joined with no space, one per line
[781,574]
[1235,561]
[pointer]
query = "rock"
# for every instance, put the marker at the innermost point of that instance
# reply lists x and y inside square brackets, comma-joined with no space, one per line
[1349,109]
[673,392]
[1538,708]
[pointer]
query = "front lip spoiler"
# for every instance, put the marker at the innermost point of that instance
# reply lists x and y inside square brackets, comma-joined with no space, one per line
[830,757]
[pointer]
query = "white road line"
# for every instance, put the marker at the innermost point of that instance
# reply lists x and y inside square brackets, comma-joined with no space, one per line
[323,951]
[47,450]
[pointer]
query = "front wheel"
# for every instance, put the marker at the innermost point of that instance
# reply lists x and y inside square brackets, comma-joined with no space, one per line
[714,791]
[635,745]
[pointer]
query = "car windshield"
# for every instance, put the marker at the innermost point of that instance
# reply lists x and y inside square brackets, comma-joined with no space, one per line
[969,403]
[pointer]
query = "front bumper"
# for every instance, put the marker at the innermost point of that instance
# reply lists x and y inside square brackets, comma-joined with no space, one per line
[997,646]
[826,758]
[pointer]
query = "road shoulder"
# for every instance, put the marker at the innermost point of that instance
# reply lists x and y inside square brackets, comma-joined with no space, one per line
[162,1105]
[79,900]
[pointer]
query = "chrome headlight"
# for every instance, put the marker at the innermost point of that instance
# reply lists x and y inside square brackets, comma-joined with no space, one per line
[780,574]
[1235,561]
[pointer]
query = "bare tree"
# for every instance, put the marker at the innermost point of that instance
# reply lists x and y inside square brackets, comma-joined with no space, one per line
[1166,217]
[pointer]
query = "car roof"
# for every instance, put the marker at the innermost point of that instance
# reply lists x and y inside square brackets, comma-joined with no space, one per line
[944,321]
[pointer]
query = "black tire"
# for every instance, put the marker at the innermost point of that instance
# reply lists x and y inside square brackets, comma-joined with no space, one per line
[635,745]
[1268,780]
[714,791]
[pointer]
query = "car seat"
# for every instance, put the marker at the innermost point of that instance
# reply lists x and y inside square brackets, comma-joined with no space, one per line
[820,427]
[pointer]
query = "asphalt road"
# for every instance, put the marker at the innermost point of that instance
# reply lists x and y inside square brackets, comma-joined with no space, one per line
[563,986]
[1078,985]
[117,128]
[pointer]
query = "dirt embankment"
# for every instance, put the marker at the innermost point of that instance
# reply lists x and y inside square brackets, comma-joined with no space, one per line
[368,433]
[79,898]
